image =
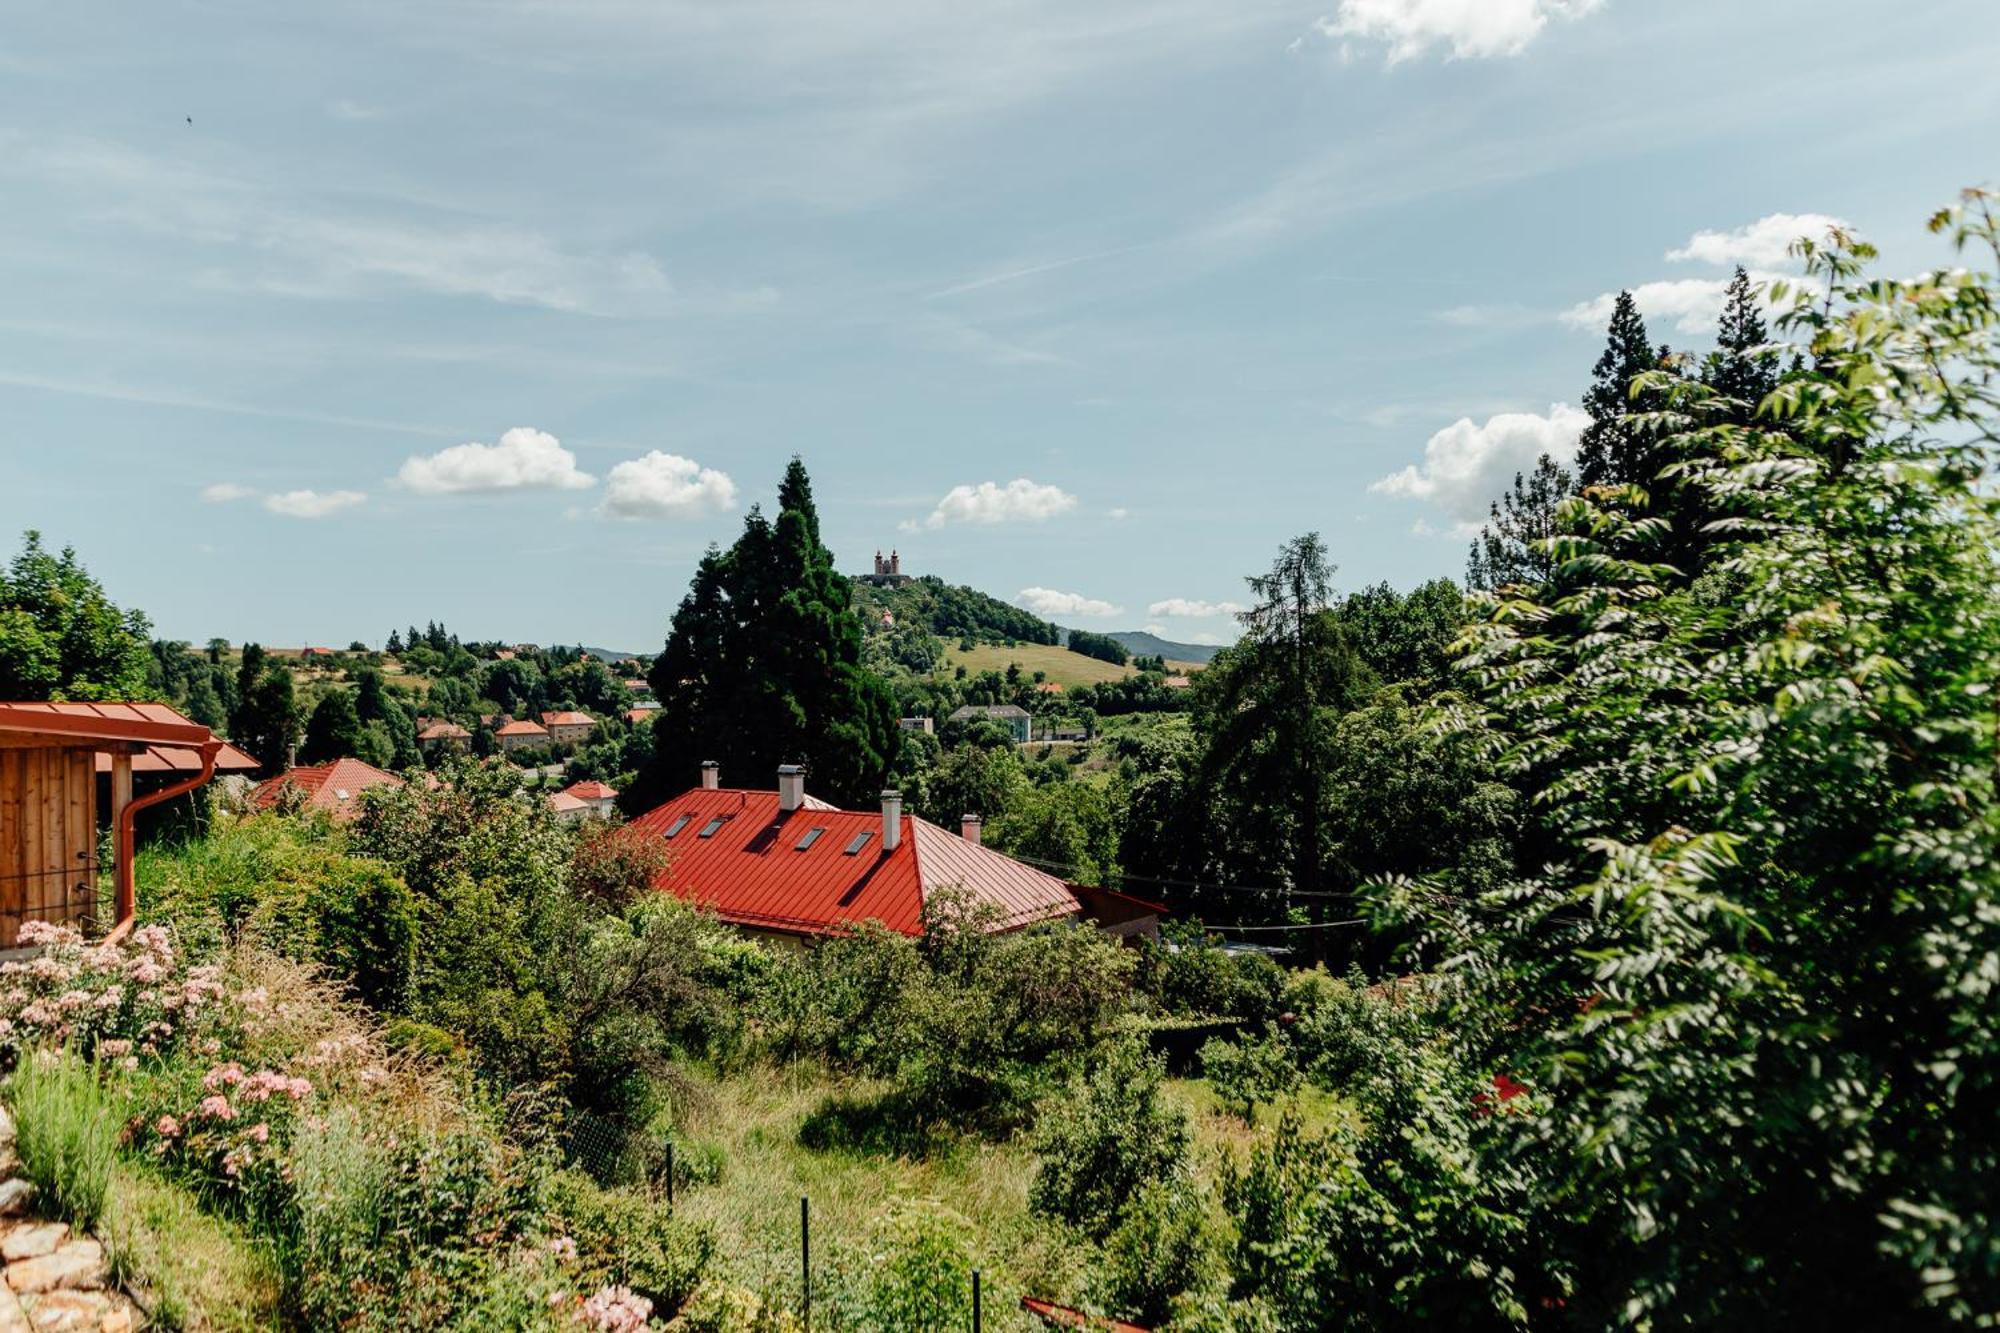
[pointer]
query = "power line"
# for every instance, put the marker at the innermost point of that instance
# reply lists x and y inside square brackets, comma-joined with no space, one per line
[1264,890]
[1301,925]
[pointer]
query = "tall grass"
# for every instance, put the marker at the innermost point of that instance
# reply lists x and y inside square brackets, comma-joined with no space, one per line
[66,1131]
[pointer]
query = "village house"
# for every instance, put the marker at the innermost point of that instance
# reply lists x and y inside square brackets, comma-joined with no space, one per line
[569,728]
[920,725]
[521,735]
[1013,717]
[333,789]
[641,712]
[586,798]
[440,734]
[53,759]
[785,865]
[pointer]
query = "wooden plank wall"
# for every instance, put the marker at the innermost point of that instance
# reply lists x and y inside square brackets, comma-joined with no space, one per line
[48,836]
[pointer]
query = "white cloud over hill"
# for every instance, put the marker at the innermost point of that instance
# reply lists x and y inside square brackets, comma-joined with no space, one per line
[1049,602]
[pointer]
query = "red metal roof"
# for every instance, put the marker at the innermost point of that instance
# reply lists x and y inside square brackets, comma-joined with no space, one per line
[752,871]
[334,787]
[84,722]
[591,791]
[1061,1316]
[153,759]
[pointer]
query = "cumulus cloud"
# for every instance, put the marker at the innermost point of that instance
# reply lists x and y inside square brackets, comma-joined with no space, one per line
[1469,29]
[1049,602]
[1466,465]
[1019,501]
[524,459]
[663,485]
[1693,304]
[222,492]
[1190,606]
[312,504]
[1762,243]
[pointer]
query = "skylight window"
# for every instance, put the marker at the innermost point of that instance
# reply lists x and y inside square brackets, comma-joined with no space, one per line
[674,828]
[860,841]
[708,829]
[813,835]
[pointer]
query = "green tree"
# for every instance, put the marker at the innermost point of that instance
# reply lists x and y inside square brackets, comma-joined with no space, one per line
[267,719]
[1512,545]
[1751,992]
[1616,450]
[1736,370]
[334,729]
[61,637]
[1100,646]
[763,666]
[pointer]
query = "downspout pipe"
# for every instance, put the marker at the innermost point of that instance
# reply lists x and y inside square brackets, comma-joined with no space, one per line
[128,896]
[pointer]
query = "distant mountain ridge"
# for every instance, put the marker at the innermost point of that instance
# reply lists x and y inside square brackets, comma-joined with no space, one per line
[1140,643]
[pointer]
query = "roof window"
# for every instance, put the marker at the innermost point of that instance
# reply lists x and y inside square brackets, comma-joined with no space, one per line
[674,828]
[813,835]
[859,841]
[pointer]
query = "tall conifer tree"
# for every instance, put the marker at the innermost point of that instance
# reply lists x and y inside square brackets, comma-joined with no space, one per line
[1731,370]
[1505,551]
[763,666]
[1613,451]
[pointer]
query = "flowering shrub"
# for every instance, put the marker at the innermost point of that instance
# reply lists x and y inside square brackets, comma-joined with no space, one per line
[119,1001]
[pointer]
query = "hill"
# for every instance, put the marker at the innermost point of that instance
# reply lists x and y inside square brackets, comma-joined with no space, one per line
[1060,665]
[951,611]
[1142,644]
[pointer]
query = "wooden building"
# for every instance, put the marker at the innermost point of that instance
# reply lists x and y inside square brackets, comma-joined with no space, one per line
[50,756]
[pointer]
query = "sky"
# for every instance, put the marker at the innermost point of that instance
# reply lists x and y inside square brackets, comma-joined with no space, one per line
[319,320]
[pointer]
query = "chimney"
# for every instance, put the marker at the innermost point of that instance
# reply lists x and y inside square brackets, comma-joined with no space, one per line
[892,819]
[711,775]
[968,828]
[791,787]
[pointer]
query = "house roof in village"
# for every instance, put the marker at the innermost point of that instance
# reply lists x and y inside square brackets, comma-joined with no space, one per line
[335,787]
[568,719]
[522,728]
[989,710]
[563,803]
[734,851]
[591,790]
[443,731]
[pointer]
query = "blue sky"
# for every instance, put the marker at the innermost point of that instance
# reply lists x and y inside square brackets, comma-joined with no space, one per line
[1087,305]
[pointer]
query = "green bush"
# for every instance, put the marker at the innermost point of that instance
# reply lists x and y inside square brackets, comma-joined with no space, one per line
[920,1278]
[1169,1243]
[626,1239]
[1186,973]
[1107,1137]
[1253,1072]
[66,1132]
[1348,1032]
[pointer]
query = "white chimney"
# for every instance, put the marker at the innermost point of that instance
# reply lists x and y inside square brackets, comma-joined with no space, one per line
[968,827]
[711,775]
[892,819]
[791,787]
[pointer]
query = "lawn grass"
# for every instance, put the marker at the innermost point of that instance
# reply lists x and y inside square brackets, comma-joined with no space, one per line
[188,1269]
[1057,664]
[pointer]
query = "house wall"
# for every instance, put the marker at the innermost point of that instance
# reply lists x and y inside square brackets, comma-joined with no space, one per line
[48,836]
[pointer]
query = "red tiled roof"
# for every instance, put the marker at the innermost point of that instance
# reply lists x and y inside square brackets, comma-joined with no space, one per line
[334,787]
[1061,1316]
[751,870]
[562,802]
[590,790]
[568,720]
[522,729]
[439,731]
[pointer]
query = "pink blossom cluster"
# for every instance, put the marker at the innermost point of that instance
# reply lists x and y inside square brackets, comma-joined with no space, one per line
[615,1310]
[130,992]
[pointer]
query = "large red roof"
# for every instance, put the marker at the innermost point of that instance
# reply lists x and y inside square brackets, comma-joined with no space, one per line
[522,729]
[568,719]
[753,871]
[334,787]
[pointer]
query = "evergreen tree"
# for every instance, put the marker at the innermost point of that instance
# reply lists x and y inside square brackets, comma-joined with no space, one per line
[1505,551]
[61,637]
[1731,370]
[267,722]
[248,672]
[371,697]
[763,666]
[395,643]
[204,705]
[1613,451]
[334,729]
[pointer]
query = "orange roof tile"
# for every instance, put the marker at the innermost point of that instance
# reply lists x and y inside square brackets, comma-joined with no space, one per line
[334,787]
[591,790]
[568,720]
[522,729]
[439,731]
[757,868]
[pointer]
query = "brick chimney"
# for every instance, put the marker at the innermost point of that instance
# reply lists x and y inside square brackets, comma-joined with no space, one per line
[711,775]
[791,787]
[892,819]
[968,828]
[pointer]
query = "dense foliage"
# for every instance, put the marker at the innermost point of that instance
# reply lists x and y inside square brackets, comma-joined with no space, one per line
[60,636]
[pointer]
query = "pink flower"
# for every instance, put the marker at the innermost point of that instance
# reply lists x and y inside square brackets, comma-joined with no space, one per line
[616,1310]
[563,1248]
[218,1107]
[167,1127]
[299,1089]
[114,1047]
[223,1076]
[260,1132]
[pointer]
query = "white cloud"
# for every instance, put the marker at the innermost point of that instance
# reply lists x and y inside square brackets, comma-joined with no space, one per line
[222,492]
[1466,466]
[1762,243]
[312,504]
[666,486]
[1049,602]
[1019,501]
[1121,512]
[1189,606]
[1472,29]
[525,459]
[1693,304]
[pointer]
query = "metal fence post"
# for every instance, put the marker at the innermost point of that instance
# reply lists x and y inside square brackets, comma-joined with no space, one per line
[806,1261]
[975,1301]
[670,1173]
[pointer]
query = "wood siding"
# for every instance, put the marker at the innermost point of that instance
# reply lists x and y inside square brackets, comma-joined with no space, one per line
[48,836]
